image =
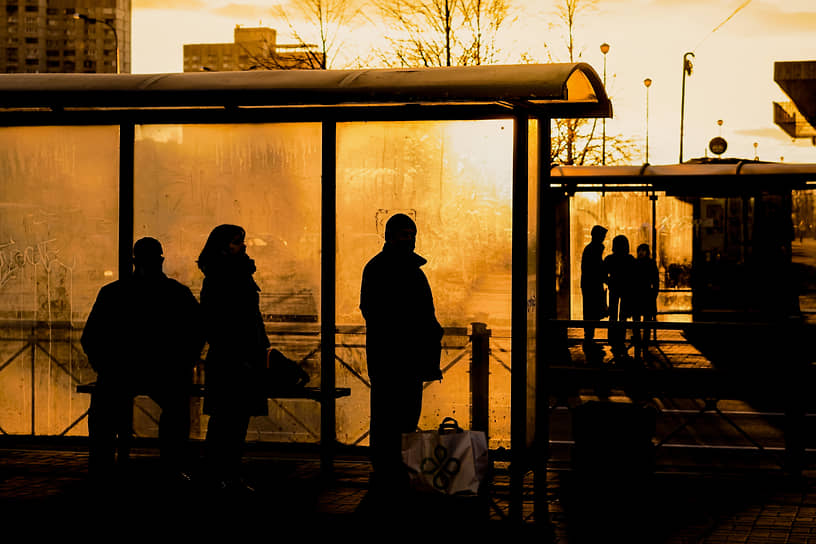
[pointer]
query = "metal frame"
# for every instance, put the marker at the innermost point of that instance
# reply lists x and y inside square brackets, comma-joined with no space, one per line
[519,92]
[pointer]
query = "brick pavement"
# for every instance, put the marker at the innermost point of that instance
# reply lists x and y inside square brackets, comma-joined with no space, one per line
[678,507]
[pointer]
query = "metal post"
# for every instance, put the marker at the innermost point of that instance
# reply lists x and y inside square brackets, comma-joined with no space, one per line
[687,67]
[126,165]
[480,378]
[518,360]
[328,435]
[546,309]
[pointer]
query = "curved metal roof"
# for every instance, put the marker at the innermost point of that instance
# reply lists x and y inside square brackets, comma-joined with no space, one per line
[686,178]
[555,90]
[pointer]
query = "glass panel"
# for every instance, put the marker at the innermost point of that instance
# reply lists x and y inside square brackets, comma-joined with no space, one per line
[803,251]
[630,214]
[455,179]
[265,178]
[58,246]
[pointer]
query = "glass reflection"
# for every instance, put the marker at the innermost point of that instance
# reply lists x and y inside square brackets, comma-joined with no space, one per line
[455,180]
[265,178]
[58,246]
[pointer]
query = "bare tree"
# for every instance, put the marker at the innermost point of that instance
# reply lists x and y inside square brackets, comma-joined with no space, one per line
[317,27]
[575,141]
[441,32]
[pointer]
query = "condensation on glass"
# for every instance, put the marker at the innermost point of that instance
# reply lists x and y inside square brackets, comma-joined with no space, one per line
[455,180]
[58,246]
[265,178]
[631,214]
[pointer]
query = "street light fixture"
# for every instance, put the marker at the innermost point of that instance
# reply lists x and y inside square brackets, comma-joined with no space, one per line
[88,19]
[648,83]
[604,50]
[687,68]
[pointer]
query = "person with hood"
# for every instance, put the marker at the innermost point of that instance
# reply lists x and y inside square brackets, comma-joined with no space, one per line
[236,357]
[142,336]
[645,288]
[403,346]
[620,271]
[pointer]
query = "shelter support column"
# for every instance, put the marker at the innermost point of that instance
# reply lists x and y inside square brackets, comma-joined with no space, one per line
[328,433]
[127,134]
[518,385]
[547,306]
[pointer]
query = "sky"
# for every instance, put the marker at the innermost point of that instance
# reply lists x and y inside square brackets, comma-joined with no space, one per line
[735,44]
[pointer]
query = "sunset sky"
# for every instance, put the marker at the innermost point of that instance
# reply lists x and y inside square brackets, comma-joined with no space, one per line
[733,64]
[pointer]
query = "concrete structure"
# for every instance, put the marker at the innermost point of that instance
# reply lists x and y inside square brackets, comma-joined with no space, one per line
[798,80]
[47,36]
[253,49]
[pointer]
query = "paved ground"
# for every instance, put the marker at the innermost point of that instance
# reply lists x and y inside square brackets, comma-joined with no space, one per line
[47,481]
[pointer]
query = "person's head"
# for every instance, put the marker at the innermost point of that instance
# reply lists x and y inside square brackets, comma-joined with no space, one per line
[147,257]
[643,251]
[400,232]
[223,242]
[598,233]
[620,244]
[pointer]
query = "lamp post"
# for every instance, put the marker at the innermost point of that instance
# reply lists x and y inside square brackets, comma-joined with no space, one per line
[88,19]
[604,50]
[648,83]
[687,68]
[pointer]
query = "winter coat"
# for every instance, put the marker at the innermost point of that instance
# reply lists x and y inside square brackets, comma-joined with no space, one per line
[235,365]
[592,281]
[645,287]
[144,333]
[403,336]
[620,270]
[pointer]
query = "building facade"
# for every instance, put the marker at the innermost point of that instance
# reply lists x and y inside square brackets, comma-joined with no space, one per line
[48,36]
[252,49]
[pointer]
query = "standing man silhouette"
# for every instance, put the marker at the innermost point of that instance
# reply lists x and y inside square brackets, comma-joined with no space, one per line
[143,336]
[592,289]
[403,346]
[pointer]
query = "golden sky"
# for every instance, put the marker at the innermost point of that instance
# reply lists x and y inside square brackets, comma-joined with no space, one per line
[733,65]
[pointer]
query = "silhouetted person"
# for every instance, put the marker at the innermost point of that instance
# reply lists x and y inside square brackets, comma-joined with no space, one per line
[236,357]
[619,268]
[645,288]
[403,339]
[592,288]
[143,336]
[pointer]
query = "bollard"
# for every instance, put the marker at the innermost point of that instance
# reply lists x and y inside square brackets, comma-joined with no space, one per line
[480,377]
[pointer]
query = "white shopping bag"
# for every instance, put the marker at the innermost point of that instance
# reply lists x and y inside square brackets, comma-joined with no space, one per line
[448,460]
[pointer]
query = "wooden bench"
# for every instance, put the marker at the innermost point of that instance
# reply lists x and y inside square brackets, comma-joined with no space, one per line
[312,393]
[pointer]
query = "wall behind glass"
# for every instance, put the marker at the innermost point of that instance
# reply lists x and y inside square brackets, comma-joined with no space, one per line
[58,246]
[265,178]
[455,180]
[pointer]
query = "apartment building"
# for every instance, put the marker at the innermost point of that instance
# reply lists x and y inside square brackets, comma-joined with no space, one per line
[252,49]
[86,36]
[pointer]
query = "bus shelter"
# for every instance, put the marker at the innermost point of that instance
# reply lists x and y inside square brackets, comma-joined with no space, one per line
[735,262]
[311,164]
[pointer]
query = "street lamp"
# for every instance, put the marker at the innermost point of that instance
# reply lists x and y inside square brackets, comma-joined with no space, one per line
[687,68]
[88,19]
[604,50]
[648,83]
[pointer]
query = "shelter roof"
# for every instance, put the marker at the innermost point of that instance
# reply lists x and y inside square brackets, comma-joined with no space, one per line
[691,178]
[552,90]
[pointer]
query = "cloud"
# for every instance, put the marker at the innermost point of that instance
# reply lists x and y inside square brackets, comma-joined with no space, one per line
[244,11]
[765,133]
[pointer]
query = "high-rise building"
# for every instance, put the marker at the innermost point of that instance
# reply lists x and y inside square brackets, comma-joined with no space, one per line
[86,36]
[253,49]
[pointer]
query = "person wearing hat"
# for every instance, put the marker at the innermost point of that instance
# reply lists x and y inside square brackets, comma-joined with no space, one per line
[592,288]
[403,346]
[142,336]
